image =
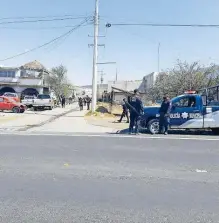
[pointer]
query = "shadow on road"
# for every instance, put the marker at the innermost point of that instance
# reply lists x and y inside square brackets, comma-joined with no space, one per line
[175,132]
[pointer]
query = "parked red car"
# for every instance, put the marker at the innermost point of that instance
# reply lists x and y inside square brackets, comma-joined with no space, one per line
[13,96]
[11,105]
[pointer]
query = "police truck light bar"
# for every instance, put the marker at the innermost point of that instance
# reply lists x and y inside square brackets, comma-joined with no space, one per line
[190,92]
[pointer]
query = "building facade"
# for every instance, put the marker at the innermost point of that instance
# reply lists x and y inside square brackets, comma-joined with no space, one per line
[124,85]
[24,80]
[130,86]
[87,90]
[148,81]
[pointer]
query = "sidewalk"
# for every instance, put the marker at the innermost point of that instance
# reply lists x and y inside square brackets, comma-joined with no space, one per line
[73,122]
[30,119]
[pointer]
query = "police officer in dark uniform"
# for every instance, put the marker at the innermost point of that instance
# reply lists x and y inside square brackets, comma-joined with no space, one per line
[63,101]
[88,101]
[136,109]
[85,102]
[125,112]
[164,112]
[80,103]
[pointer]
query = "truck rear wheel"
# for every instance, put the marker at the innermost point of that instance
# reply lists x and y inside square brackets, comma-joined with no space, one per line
[153,126]
[215,131]
[16,110]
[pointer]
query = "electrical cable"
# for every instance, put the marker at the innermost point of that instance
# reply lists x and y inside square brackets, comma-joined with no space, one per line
[39,28]
[108,25]
[51,41]
[40,20]
[37,17]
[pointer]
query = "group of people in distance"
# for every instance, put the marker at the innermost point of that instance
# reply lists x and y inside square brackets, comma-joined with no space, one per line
[84,102]
[63,100]
[134,106]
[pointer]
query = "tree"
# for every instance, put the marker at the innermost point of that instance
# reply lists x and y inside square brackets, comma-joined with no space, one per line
[58,81]
[183,77]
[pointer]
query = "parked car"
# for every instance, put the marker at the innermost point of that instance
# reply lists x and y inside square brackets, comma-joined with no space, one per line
[43,101]
[11,105]
[14,96]
[28,101]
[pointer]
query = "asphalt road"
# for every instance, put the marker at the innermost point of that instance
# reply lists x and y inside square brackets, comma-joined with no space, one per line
[61,179]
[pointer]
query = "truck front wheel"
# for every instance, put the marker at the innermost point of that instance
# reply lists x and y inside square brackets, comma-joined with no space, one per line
[215,131]
[153,126]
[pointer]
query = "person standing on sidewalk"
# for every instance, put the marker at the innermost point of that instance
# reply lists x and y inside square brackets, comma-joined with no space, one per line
[85,102]
[80,103]
[125,112]
[88,101]
[136,109]
[63,101]
[70,100]
[164,112]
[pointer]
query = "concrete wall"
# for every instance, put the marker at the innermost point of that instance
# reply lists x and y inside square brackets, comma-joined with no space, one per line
[22,81]
[87,89]
[31,82]
[124,85]
[9,80]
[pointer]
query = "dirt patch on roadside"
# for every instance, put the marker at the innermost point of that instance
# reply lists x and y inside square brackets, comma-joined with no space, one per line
[106,116]
[110,122]
[105,110]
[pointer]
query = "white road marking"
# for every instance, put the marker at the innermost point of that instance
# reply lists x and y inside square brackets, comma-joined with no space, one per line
[111,136]
[201,171]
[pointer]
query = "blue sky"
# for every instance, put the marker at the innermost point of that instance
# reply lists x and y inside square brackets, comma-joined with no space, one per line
[133,48]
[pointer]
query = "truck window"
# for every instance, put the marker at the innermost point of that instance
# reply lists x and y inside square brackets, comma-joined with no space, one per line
[186,102]
[43,96]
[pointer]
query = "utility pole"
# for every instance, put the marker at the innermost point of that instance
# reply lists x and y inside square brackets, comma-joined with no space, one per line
[95,56]
[116,74]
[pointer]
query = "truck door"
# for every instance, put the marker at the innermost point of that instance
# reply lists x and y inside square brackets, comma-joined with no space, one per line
[186,112]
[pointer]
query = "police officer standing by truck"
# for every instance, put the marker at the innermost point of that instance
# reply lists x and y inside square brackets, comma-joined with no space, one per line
[164,115]
[136,109]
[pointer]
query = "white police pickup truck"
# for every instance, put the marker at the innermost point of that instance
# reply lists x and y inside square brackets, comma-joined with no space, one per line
[43,101]
[189,111]
[28,101]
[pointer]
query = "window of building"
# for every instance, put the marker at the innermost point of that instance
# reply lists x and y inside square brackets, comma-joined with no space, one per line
[7,73]
[3,74]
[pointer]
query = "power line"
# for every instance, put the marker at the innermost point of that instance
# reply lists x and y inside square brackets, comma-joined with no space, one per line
[51,41]
[37,17]
[56,44]
[41,20]
[108,25]
[39,28]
